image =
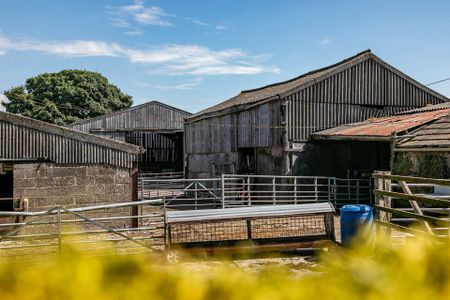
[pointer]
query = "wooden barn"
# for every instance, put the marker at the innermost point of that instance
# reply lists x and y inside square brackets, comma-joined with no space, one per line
[51,165]
[154,126]
[268,130]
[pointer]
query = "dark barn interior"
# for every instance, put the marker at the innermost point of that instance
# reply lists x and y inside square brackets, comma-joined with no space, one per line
[163,151]
[349,159]
[154,126]
[6,187]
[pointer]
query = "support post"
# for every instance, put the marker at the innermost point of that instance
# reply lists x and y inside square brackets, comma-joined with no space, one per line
[329,226]
[195,195]
[295,190]
[357,191]
[223,191]
[274,191]
[248,192]
[382,216]
[249,229]
[316,195]
[58,214]
[134,194]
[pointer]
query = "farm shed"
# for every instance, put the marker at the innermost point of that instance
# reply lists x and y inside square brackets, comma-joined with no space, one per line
[366,146]
[425,151]
[268,130]
[52,165]
[154,126]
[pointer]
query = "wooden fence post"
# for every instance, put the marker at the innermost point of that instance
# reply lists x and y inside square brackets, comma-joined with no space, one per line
[382,216]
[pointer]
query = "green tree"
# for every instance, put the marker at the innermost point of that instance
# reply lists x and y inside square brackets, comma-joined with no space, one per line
[66,97]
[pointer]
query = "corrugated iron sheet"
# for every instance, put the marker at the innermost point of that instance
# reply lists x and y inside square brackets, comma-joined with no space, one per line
[434,135]
[368,81]
[25,138]
[427,108]
[380,127]
[151,115]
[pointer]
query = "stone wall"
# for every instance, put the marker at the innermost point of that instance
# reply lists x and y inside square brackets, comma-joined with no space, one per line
[47,185]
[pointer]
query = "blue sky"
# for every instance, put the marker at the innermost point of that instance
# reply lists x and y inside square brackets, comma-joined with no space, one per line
[193,54]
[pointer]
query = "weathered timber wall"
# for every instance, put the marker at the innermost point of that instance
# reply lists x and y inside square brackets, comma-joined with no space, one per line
[256,127]
[366,89]
[152,115]
[363,91]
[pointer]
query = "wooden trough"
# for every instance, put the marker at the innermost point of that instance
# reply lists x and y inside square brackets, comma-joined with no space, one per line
[262,226]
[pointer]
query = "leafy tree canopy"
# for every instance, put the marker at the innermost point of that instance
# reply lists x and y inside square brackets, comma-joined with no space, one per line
[66,97]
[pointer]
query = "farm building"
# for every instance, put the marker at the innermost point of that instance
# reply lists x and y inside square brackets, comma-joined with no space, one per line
[154,126]
[268,130]
[425,151]
[367,146]
[51,165]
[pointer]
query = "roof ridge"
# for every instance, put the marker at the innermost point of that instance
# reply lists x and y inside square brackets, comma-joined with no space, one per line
[367,51]
[113,113]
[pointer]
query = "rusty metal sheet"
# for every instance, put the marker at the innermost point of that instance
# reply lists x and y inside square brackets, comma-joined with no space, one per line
[381,127]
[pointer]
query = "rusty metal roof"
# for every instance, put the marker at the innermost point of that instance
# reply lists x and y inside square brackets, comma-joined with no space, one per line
[432,136]
[380,128]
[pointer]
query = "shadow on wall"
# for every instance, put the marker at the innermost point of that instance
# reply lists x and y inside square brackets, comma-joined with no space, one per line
[341,158]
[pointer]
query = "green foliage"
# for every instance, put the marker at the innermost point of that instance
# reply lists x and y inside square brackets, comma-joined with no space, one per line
[418,270]
[66,97]
[402,165]
[432,166]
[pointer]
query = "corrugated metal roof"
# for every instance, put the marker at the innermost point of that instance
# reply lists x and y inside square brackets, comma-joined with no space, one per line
[272,90]
[426,108]
[379,128]
[434,135]
[150,115]
[26,138]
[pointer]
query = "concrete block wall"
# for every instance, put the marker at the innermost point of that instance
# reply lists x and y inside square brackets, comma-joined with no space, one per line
[47,185]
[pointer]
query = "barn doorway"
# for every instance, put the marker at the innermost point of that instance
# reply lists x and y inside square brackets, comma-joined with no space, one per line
[6,187]
[247,160]
[163,151]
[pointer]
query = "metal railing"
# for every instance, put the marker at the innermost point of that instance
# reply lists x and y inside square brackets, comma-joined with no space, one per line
[161,175]
[183,193]
[231,190]
[268,189]
[45,231]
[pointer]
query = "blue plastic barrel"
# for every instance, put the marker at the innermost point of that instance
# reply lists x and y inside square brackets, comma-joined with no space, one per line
[354,218]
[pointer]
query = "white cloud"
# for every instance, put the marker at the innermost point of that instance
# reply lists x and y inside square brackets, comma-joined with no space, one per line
[135,32]
[167,59]
[197,22]
[325,41]
[138,14]
[223,25]
[181,86]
